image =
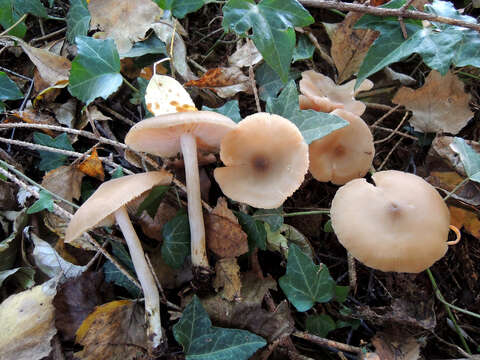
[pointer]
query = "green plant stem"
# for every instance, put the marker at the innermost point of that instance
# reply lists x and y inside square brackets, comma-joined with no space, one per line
[25,177]
[299,213]
[440,297]
[129,84]
[458,186]
[6,31]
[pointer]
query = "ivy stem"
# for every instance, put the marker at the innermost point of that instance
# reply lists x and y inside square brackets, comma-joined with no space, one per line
[6,31]
[129,84]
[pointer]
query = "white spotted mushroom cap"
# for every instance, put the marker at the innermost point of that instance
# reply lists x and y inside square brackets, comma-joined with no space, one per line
[400,223]
[266,159]
[165,95]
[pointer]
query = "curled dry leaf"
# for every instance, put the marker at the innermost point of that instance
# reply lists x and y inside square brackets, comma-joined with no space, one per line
[27,323]
[125,21]
[227,276]
[245,55]
[153,227]
[225,82]
[165,95]
[65,113]
[440,105]
[31,116]
[320,93]
[225,236]
[115,330]
[92,166]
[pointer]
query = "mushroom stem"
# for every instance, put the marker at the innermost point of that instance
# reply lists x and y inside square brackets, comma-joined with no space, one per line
[195,215]
[145,276]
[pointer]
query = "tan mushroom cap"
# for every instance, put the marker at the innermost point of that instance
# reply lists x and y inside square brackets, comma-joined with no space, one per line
[320,93]
[266,160]
[344,154]
[110,196]
[160,135]
[399,224]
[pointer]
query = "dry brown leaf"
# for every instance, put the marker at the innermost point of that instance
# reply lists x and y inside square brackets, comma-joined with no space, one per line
[399,347]
[467,219]
[153,227]
[8,195]
[92,166]
[350,46]
[65,181]
[65,113]
[115,330]
[225,237]
[225,82]
[169,277]
[468,193]
[227,276]
[124,21]
[27,323]
[31,116]
[320,93]
[440,105]
[245,55]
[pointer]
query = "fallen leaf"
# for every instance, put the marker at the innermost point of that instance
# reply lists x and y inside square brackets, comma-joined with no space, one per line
[467,219]
[8,195]
[124,22]
[75,299]
[31,116]
[396,347]
[227,276]
[468,193]
[169,277]
[64,181]
[92,166]
[350,46]
[165,95]
[320,93]
[245,55]
[225,82]
[66,113]
[27,323]
[115,330]
[440,105]
[225,236]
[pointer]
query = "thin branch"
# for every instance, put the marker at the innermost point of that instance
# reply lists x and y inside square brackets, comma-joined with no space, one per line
[326,342]
[410,14]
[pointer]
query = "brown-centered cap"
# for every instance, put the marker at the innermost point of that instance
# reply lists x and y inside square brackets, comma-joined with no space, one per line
[266,160]
[320,93]
[110,196]
[399,224]
[344,154]
[160,135]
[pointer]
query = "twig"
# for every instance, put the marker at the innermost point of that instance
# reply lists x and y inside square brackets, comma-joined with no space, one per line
[395,131]
[116,114]
[400,18]
[48,36]
[389,154]
[160,288]
[251,75]
[6,31]
[352,272]
[387,114]
[410,14]
[326,342]
[321,52]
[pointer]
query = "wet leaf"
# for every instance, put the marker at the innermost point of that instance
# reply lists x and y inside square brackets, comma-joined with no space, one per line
[78,20]
[152,45]
[112,274]
[225,82]
[229,109]
[92,166]
[320,325]
[304,282]
[304,49]
[434,103]
[273,217]
[49,160]
[180,8]
[176,241]
[269,83]
[202,341]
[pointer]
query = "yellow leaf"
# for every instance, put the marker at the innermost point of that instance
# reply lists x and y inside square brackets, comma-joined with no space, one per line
[92,166]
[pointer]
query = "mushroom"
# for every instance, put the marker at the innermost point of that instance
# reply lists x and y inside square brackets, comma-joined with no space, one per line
[184,132]
[106,206]
[266,160]
[320,93]
[344,154]
[399,224]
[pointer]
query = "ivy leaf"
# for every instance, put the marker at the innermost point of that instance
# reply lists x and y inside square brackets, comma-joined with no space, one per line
[152,201]
[272,22]
[312,124]
[306,283]
[273,217]
[470,158]
[304,49]
[95,70]
[440,45]
[50,160]
[8,90]
[254,229]
[180,8]
[112,274]
[176,241]
[44,202]
[320,325]
[78,19]
[229,109]
[268,81]
[202,341]
[12,10]
[153,45]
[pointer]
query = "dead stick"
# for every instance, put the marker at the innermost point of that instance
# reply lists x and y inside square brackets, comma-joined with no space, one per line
[326,342]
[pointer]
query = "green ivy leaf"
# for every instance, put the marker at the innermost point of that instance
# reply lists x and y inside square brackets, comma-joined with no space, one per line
[202,341]
[341,293]
[152,201]
[440,45]
[470,158]
[273,217]
[229,109]
[44,202]
[95,70]
[320,325]
[112,274]
[12,10]
[272,22]
[268,81]
[50,160]
[176,241]
[8,90]
[304,282]
[254,229]
[153,45]
[78,20]
[34,7]
[180,8]
[312,124]
[304,49]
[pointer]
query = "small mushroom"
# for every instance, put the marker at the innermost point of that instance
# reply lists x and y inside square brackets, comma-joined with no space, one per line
[266,160]
[399,224]
[186,133]
[344,154]
[106,206]
[320,93]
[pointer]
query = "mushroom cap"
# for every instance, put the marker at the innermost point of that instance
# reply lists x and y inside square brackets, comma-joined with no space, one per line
[160,135]
[399,224]
[344,154]
[320,93]
[266,160]
[110,196]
